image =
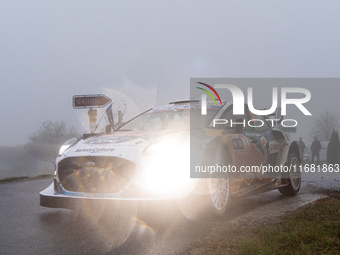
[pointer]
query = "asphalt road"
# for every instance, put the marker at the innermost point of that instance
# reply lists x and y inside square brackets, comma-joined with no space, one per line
[27,228]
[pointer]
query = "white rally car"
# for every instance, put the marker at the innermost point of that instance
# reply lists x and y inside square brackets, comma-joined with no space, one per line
[148,158]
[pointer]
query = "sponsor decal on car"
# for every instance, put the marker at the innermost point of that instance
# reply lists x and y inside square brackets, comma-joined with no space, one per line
[107,140]
[94,150]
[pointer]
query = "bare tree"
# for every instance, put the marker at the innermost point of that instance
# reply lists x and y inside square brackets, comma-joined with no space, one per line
[324,124]
[44,144]
[333,149]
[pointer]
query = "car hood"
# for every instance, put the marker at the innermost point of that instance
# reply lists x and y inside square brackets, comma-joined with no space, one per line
[123,138]
[125,144]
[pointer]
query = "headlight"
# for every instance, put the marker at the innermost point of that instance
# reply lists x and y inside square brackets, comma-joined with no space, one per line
[167,166]
[67,145]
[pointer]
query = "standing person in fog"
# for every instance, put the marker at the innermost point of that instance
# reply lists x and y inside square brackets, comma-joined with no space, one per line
[315,148]
[302,145]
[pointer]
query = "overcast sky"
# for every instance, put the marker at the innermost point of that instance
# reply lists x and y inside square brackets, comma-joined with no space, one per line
[145,52]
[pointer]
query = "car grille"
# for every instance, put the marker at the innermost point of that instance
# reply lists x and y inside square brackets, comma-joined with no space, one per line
[95,174]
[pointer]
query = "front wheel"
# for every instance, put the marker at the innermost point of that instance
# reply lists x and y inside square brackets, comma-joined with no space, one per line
[219,188]
[211,197]
[291,178]
[219,194]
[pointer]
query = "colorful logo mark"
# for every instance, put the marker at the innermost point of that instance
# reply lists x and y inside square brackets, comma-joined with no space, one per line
[209,93]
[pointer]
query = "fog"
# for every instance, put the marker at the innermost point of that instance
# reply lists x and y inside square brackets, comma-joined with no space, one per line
[145,52]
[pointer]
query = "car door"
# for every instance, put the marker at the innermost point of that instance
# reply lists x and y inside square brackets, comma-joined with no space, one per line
[249,145]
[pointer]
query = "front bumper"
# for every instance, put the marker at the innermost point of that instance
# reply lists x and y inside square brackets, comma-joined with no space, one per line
[50,198]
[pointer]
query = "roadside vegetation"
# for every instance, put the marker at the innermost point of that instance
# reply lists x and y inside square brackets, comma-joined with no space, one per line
[312,229]
[45,143]
[324,124]
[25,178]
[36,157]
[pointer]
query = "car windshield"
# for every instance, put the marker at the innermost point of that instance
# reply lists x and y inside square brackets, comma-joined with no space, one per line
[169,119]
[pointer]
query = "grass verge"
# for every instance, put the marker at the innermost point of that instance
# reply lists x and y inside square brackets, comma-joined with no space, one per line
[312,229]
[25,178]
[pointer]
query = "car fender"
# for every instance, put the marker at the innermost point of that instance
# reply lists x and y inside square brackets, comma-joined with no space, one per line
[294,148]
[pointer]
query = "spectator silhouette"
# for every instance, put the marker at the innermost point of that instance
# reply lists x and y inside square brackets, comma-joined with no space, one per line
[315,148]
[302,145]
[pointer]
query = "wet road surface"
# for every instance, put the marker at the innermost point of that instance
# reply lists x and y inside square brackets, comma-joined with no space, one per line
[27,228]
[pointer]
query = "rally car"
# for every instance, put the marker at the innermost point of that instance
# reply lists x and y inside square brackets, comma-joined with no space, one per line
[175,152]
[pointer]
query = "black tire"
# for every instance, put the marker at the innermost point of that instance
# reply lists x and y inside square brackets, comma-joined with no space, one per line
[293,177]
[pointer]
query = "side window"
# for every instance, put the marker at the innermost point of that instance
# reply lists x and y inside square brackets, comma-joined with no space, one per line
[154,123]
[231,118]
[259,122]
[175,121]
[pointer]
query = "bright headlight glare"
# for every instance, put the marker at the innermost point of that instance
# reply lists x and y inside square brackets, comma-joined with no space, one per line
[67,145]
[161,148]
[167,168]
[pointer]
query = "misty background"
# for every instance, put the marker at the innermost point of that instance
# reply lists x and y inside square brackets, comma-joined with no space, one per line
[143,53]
